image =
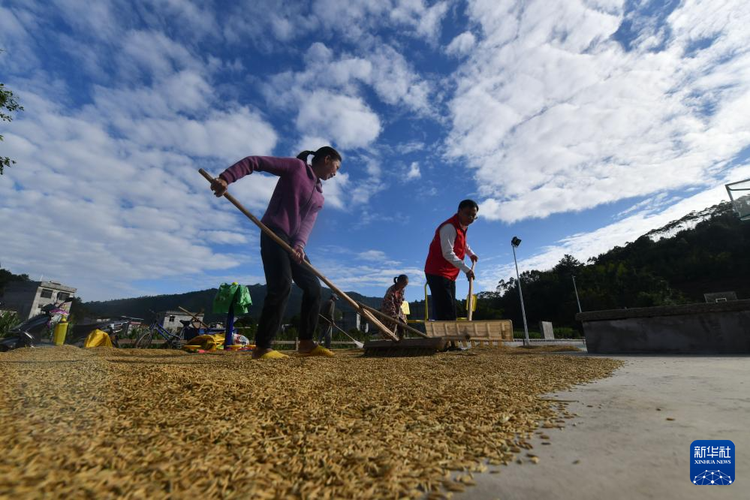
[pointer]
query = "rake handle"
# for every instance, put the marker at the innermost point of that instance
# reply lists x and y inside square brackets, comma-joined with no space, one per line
[385,316]
[337,327]
[194,316]
[470,298]
[283,244]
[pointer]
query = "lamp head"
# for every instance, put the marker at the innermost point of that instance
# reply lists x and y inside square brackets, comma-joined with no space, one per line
[515,241]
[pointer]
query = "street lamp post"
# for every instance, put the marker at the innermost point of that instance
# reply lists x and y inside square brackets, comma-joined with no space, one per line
[514,243]
[577,299]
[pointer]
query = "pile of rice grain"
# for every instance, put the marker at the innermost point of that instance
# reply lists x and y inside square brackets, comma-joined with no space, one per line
[153,423]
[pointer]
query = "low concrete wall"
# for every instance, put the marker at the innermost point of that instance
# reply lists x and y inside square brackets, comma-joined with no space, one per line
[722,328]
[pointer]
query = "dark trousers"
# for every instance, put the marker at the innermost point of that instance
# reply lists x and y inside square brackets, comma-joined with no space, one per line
[280,270]
[443,292]
[326,333]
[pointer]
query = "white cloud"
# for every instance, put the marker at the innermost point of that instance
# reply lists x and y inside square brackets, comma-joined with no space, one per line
[425,20]
[97,19]
[351,18]
[254,191]
[374,255]
[309,143]
[16,28]
[362,191]
[348,120]
[187,16]
[332,110]
[396,81]
[155,54]
[252,21]
[582,246]
[228,135]
[369,217]
[185,92]
[461,45]
[336,191]
[552,115]
[354,21]
[413,172]
[410,147]
[224,237]
[382,68]
[108,194]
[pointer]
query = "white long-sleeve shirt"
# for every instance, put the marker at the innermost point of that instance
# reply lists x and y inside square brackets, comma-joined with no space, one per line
[447,240]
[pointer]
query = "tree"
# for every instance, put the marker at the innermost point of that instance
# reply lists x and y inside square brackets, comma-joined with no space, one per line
[8,277]
[78,311]
[8,105]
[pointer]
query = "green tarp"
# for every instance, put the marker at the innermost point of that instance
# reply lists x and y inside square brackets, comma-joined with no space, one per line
[226,293]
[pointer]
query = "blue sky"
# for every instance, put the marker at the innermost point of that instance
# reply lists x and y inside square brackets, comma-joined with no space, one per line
[577,125]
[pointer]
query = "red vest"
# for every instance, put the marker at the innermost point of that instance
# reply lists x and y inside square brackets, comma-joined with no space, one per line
[436,263]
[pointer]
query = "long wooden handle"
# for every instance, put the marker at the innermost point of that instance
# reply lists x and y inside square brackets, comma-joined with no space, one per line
[385,316]
[337,327]
[195,317]
[470,298]
[285,246]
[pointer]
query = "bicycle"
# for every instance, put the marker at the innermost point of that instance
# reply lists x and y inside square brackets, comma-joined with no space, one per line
[119,327]
[171,340]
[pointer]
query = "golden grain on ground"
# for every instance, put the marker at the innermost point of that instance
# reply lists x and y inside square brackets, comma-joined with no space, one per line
[108,423]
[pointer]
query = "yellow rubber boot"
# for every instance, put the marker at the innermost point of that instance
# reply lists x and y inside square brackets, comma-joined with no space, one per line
[273,355]
[318,350]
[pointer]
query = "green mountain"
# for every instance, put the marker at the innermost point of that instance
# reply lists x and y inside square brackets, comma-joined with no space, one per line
[202,300]
[705,251]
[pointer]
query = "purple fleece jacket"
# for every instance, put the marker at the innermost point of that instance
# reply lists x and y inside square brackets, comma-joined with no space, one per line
[295,202]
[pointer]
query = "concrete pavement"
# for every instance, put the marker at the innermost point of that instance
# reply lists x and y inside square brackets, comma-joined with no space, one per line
[622,445]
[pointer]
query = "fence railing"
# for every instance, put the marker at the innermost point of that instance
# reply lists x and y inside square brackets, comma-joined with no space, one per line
[295,343]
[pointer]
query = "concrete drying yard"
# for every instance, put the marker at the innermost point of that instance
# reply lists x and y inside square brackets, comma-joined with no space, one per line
[105,423]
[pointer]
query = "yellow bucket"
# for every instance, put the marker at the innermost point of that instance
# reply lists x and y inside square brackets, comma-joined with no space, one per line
[61,330]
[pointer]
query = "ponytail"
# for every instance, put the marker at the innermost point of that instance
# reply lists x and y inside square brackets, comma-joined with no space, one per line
[304,154]
[320,154]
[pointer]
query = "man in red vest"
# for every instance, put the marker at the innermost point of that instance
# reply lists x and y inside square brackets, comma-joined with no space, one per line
[446,260]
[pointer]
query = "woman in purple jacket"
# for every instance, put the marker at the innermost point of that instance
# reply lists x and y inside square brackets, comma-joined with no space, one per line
[291,214]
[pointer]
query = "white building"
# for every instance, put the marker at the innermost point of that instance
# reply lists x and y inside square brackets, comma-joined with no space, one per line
[171,320]
[28,297]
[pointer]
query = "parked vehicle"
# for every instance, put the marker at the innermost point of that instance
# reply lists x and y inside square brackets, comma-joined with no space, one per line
[168,339]
[35,331]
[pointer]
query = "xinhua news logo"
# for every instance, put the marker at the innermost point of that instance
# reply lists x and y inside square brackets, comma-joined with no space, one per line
[712,462]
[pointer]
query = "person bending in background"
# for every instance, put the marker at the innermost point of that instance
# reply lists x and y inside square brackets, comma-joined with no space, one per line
[291,215]
[392,302]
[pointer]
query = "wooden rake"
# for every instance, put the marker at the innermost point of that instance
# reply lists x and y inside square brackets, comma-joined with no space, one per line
[423,346]
[357,307]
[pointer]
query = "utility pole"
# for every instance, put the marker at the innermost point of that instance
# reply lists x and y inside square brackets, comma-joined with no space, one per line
[577,299]
[514,243]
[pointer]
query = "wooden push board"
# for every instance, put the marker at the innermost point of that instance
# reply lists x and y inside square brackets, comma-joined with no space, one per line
[477,331]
